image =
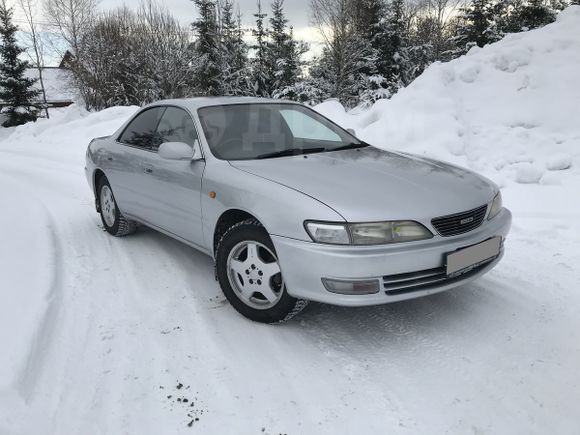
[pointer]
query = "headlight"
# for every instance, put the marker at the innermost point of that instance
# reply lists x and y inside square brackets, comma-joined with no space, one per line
[372,233]
[496,206]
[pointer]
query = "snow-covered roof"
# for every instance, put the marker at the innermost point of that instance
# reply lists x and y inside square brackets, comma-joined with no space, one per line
[56,84]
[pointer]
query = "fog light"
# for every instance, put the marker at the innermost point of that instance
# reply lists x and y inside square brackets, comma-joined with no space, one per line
[346,287]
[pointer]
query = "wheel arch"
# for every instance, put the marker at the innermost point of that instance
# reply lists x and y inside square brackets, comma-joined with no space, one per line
[227,219]
[98,175]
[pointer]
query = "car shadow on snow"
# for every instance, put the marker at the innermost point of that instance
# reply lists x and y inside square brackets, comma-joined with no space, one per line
[461,312]
[464,310]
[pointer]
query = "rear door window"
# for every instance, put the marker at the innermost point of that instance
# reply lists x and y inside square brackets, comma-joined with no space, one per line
[142,131]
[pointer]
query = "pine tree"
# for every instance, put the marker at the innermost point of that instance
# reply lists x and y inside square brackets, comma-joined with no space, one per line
[234,52]
[534,14]
[16,91]
[522,15]
[369,24]
[475,24]
[394,53]
[368,20]
[283,52]
[207,76]
[260,73]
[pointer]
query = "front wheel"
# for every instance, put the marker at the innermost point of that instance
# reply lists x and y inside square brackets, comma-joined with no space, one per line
[249,274]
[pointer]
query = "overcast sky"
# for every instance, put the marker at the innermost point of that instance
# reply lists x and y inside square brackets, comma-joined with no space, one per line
[297,12]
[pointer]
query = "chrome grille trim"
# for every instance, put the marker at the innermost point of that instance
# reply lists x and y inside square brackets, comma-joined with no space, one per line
[451,225]
[414,281]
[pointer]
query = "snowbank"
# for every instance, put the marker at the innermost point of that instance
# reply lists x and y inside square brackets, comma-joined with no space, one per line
[509,110]
[72,123]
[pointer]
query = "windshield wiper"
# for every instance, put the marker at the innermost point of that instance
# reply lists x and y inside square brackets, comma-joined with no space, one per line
[291,152]
[350,146]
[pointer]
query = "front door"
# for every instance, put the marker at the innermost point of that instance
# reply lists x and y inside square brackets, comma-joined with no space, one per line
[125,171]
[173,187]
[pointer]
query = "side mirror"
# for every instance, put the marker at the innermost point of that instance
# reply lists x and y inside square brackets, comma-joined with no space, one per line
[175,151]
[351,131]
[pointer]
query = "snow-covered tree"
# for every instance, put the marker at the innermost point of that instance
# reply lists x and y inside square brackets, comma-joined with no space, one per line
[283,52]
[534,14]
[475,22]
[207,47]
[234,75]
[259,63]
[367,17]
[71,19]
[129,57]
[17,94]
[348,64]
[394,64]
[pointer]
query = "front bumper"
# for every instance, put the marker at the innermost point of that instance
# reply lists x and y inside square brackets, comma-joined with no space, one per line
[304,264]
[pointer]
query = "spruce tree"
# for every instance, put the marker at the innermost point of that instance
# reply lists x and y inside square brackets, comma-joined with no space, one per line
[368,15]
[475,23]
[17,94]
[519,15]
[369,26]
[207,77]
[534,14]
[260,71]
[394,52]
[234,52]
[283,52]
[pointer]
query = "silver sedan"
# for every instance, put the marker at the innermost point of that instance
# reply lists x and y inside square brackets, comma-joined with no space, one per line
[292,207]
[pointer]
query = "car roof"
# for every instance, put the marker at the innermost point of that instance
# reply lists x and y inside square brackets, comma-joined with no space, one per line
[199,102]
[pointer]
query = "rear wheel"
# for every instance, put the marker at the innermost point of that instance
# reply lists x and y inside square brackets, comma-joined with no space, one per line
[249,274]
[113,220]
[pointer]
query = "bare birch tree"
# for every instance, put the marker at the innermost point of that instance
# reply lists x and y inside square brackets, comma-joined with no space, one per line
[71,18]
[29,8]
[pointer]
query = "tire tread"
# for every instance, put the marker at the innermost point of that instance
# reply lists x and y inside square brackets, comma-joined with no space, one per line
[124,226]
[298,304]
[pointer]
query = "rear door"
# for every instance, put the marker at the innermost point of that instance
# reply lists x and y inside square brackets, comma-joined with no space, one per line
[173,187]
[129,161]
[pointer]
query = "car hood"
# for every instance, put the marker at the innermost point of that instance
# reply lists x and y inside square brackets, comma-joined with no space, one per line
[369,184]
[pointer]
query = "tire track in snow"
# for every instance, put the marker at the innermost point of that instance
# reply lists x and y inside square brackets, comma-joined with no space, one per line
[42,337]
[65,329]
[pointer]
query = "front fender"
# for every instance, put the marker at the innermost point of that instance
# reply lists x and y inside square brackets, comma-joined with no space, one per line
[280,209]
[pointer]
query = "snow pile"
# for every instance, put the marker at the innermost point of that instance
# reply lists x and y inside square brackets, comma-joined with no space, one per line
[509,110]
[69,124]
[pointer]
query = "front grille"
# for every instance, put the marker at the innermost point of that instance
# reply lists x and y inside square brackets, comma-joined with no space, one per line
[421,280]
[459,223]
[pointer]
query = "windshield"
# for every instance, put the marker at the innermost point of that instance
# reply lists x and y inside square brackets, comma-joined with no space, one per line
[252,131]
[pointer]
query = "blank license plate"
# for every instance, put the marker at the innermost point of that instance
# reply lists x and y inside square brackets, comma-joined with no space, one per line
[467,258]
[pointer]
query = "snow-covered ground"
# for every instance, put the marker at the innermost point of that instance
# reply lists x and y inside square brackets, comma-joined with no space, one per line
[102,335]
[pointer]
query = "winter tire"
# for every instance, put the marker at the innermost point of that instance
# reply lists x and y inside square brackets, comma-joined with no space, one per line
[113,220]
[249,274]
